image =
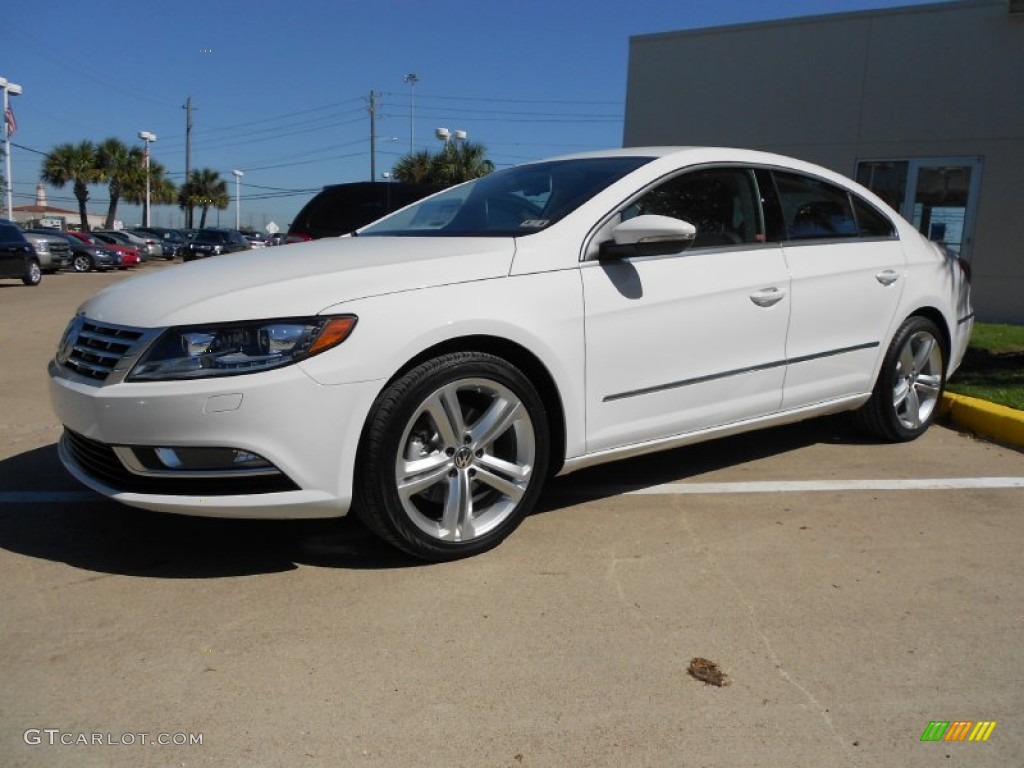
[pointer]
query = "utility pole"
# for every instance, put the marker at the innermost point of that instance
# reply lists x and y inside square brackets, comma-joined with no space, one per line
[373,135]
[412,78]
[188,155]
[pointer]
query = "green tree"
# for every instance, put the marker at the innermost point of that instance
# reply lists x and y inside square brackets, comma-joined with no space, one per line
[124,170]
[162,191]
[204,189]
[414,168]
[457,162]
[74,164]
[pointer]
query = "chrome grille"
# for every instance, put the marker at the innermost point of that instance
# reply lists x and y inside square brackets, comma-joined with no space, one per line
[94,349]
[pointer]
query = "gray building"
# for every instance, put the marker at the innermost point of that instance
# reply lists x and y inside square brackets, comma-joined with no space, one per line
[923,104]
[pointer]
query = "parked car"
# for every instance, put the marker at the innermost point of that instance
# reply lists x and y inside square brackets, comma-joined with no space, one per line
[342,208]
[256,239]
[52,250]
[172,242]
[148,247]
[432,371]
[90,258]
[129,254]
[213,242]
[18,259]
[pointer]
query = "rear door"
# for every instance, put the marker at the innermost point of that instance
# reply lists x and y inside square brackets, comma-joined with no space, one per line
[848,269]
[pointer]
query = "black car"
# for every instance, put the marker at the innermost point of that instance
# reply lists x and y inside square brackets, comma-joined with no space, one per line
[17,256]
[342,208]
[212,242]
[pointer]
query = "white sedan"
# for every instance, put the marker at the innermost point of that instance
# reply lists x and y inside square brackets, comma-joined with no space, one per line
[431,371]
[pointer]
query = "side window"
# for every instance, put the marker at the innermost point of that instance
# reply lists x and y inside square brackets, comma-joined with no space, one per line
[814,209]
[10,234]
[870,221]
[721,203]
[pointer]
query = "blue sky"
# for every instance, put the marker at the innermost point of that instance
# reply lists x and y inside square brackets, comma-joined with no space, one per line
[281,89]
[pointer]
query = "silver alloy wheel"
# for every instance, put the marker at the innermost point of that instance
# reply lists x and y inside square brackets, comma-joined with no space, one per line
[34,274]
[918,382]
[465,459]
[81,263]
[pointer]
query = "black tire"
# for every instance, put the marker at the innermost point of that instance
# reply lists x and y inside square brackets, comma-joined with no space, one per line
[33,273]
[466,437]
[81,262]
[906,396]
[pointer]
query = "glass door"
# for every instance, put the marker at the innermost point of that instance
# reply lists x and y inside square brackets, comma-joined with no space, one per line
[939,195]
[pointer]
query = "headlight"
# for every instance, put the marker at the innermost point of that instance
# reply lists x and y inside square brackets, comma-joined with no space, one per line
[227,349]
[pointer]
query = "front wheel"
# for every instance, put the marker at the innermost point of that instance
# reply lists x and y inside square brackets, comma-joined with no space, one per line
[33,273]
[906,395]
[453,457]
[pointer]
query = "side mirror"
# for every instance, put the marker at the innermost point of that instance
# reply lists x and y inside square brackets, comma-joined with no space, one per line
[648,235]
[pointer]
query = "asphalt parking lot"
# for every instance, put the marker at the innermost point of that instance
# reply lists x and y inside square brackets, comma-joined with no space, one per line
[853,593]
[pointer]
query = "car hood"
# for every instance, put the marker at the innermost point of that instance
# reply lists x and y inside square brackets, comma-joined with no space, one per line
[297,280]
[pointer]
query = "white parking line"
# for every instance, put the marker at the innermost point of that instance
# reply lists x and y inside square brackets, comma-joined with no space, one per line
[667,489]
[809,486]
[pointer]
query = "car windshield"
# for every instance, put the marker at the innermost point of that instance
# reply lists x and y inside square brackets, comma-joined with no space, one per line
[509,203]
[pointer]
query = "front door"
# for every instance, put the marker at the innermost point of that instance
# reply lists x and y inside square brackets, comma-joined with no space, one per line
[688,341]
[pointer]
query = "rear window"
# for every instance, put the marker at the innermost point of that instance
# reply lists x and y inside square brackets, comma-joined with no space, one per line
[815,209]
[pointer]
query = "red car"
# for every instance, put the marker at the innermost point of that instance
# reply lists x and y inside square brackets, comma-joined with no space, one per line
[129,254]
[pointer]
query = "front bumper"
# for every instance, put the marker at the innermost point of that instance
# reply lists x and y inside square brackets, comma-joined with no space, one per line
[308,431]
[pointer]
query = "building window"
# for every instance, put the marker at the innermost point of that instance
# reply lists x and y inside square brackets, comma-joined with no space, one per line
[938,195]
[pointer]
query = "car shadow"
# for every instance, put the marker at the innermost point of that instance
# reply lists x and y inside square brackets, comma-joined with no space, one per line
[692,461]
[93,533]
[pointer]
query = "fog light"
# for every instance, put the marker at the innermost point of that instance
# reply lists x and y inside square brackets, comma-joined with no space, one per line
[181,462]
[211,459]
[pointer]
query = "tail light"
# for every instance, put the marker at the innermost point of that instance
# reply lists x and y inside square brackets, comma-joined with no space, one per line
[297,237]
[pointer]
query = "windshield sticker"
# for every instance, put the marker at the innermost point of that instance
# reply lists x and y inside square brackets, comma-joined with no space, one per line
[535,223]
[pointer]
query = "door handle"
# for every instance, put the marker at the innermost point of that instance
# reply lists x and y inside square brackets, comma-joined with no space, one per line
[767,297]
[887,277]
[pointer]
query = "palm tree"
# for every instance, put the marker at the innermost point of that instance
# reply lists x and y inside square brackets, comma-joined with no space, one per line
[205,189]
[162,191]
[75,164]
[466,161]
[454,164]
[414,168]
[124,170]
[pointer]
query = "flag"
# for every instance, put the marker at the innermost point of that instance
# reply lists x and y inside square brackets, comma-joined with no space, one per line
[12,124]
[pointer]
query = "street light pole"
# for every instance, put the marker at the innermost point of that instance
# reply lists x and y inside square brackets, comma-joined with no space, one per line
[9,89]
[238,198]
[147,137]
[412,78]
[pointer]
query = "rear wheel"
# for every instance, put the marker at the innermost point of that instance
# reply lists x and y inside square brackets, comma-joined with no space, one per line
[82,263]
[906,395]
[453,457]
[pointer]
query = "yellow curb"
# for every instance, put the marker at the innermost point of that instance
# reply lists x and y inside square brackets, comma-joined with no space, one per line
[995,422]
